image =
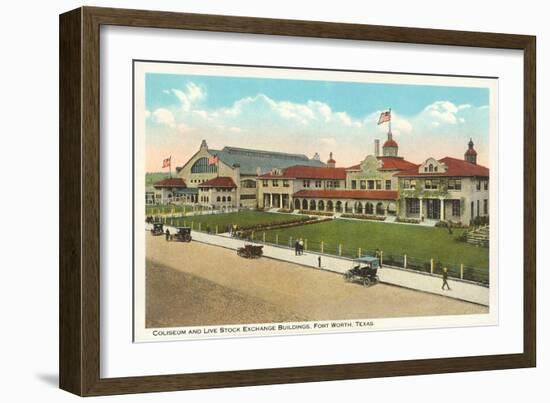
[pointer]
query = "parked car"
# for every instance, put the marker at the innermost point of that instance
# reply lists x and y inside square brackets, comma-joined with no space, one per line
[364,270]
[158,229]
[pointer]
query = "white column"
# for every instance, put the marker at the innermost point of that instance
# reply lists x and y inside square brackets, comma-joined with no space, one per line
[442,212]
[421,212]
[270,200]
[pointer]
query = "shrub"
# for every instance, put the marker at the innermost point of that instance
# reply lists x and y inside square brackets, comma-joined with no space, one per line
[364,216]
[313,212]
[408,220]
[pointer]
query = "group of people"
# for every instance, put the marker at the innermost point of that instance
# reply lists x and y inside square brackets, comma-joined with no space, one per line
[299,247]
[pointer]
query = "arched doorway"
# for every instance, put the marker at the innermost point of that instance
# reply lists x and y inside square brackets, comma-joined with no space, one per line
[296,204]
[304,204]
[330,206]
[358,207]
[369,209]
[321,205]
[380,210]
[338,206]
[312,205]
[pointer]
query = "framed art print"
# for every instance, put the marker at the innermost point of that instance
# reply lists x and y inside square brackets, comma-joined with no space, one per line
[251,201]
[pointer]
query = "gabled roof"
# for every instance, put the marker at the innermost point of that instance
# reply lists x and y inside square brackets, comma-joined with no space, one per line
[390,164]
[348,194]
[170,183]
[250,160]
[219,182]
[455,167]
[308,172]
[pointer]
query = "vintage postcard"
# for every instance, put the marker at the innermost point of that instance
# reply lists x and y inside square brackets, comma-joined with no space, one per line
[281,201]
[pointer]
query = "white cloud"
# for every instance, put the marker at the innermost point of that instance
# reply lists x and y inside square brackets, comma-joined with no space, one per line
[190,95]
[442,111]
[162,116]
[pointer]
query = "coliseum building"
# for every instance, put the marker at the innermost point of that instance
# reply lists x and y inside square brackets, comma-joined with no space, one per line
[387,185]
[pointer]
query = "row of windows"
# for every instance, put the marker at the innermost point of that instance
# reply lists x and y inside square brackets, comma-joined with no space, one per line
[413,206]
[223,199]
[217,189]
[452,184]
[371,184]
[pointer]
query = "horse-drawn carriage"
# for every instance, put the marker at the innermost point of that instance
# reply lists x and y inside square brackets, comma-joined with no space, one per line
[250,251]
[183,235]
[364,270]
[158,229]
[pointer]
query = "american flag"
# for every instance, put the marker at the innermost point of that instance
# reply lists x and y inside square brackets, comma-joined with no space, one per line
[384,117]
[166,162]
[213,160]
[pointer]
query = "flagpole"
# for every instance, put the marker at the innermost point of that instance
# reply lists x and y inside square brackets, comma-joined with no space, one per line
[389,123]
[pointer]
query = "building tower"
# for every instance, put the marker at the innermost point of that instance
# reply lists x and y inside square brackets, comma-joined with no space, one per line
[471,155]
[331,163]
[390,147]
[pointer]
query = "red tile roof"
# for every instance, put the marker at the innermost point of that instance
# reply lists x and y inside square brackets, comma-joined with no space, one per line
[307,172]
[170,183]
[391,164]
[455,167]
[390,143]
[348,194]
[219,182]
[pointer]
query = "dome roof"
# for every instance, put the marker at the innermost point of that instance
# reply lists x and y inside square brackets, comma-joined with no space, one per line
[390,143]
[470,151]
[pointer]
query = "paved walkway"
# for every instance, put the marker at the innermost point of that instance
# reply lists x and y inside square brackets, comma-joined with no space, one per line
[391,275]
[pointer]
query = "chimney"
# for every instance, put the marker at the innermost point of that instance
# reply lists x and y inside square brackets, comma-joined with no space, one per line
[331,163]
[376,147]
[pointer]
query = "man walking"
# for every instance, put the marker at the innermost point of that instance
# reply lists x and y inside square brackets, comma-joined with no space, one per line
[301,247]
[445,277]
[296,247]
[319,261]
[167,234]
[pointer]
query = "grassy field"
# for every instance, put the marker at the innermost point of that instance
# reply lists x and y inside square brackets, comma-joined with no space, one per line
[419,243]
[243,218]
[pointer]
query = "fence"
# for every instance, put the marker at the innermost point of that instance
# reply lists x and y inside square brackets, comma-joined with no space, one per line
[404,261]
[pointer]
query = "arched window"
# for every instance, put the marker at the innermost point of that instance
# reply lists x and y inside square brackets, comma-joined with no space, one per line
[223,199]
[228,198]
[431,168]
[218,199]
[202,166]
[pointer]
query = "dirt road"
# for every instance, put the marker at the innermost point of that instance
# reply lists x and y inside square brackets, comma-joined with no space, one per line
[198,284]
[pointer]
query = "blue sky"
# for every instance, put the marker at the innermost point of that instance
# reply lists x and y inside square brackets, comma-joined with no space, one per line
[309,116]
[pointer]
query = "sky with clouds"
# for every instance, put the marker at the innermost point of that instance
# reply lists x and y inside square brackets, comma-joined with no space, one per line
[307,116]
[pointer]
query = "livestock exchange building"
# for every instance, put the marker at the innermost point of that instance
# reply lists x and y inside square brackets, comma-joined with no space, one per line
[386,187]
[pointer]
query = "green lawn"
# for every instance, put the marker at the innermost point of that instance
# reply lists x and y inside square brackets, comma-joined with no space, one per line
[243,218]
[419,243]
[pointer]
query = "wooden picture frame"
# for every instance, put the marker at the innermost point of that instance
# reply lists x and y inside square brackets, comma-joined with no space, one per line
[80,199]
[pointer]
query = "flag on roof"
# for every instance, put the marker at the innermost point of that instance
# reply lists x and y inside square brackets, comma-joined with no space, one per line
[213,160]
[384,117]
[166,162]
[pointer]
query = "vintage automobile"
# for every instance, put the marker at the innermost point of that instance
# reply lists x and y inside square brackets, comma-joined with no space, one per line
[158,229]
[250,251]
[364,270]
[183,235]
